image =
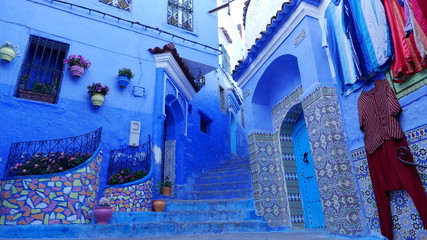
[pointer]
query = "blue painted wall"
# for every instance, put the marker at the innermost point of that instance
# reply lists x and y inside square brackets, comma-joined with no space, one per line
[109,44]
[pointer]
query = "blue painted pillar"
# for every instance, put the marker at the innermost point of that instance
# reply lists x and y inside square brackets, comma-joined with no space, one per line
[158,123]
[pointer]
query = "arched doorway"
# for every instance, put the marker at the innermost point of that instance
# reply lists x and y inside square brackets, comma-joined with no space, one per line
[310,196]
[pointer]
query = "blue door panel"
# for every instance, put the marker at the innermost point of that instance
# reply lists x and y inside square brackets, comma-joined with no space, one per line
[313,213]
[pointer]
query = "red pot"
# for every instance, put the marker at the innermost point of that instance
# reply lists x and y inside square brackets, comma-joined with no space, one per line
[102,214]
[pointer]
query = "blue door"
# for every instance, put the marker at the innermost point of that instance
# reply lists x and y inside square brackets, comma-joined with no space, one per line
[313,213]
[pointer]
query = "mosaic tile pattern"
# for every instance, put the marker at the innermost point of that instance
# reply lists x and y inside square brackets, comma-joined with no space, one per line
[170,148]
[131,198]
[59,199]
[406,222]
[337,183]
[121,4]
[268,180]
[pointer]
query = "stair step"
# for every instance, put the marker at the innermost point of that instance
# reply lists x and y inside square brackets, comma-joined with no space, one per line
[222,186]
[221,172]
[238,193]
[190,216]
[117,230]
[210,204]
[223,178]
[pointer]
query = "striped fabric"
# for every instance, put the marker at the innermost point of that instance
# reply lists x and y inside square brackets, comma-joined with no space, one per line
[378,111]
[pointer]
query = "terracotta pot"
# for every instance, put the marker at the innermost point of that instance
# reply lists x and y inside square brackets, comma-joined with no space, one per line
[76,71]
[166,191]
[123,81]
[102,214]
[97,99]
[159,205]
[7,54]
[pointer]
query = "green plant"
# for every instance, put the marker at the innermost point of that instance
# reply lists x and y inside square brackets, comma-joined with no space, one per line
[126,72]
[126,175]
[53,162]
[98,88]
[77,60]
[166,183]
[40,87]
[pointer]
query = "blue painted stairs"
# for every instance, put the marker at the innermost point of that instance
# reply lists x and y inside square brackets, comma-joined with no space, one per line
[219,201]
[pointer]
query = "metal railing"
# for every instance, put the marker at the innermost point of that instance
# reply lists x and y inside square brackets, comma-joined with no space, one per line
[22,152]
[131,158]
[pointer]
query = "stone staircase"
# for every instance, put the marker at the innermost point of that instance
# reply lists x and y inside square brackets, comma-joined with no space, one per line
[219,201]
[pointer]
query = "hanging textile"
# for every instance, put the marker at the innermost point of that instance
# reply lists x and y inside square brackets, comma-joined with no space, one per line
[372,32]
[407,60]
[339,46]
[418,9]
[378,112]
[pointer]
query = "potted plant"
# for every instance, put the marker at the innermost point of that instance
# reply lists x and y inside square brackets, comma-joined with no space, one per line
[97,91]
[165,187]
[103,212]
[8,52]
[124,77]
[77,64]
[126,175]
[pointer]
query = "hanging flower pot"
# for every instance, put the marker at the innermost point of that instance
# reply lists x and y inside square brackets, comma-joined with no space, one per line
[97,99]
[76,71]
[78,64]
[123,81]
[97,91]
[124,77]
[8,52]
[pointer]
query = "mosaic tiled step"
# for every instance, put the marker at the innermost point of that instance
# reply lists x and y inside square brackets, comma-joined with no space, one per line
[60,198]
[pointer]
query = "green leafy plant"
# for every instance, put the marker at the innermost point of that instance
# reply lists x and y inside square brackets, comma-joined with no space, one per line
[126,175]
[126,72]
[166,183]
[40,87]
[98,88]
[50,163]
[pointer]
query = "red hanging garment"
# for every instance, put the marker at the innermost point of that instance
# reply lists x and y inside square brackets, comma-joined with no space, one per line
[407,60]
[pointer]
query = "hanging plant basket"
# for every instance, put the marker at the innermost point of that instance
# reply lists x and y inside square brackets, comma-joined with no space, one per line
[7,54]
[76,71]
[123,81]
[97,99]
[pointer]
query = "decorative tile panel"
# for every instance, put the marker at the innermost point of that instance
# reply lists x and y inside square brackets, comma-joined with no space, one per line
[336,180]
[131,198]
[170,149]
[59,199]
[407,223]
[121,4]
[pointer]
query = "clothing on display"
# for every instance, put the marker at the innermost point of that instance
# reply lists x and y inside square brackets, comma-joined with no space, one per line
[378,117]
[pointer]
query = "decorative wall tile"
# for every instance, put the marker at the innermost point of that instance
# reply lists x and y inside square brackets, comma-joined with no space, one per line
[406,221]
[131,198]
[170,149]
[121,4]
[60,199]
[336,179]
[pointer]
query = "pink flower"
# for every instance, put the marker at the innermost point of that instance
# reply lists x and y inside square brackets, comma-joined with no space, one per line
[24,170]
[60,168]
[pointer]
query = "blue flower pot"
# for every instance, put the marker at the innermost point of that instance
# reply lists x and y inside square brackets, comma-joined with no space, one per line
[123,81]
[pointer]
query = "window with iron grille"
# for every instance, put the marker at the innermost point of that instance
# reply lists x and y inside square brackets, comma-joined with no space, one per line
[42,70]
[180,14]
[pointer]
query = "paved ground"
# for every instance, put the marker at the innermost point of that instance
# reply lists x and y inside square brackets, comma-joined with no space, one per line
[291,235]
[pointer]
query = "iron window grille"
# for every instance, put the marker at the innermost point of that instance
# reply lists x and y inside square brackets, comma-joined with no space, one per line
[180,14]
[41,73]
